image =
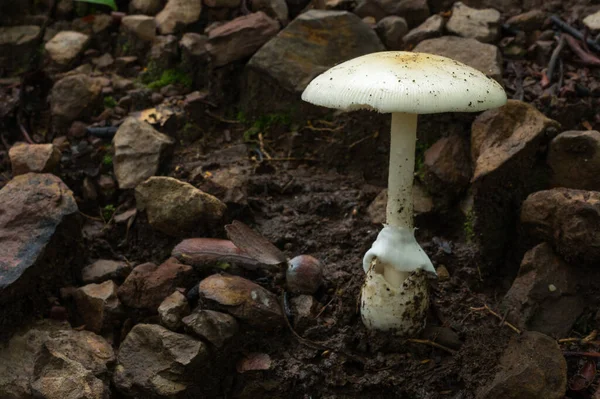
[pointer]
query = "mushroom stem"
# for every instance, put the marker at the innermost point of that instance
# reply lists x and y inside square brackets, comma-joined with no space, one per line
[393,276]
[401,172]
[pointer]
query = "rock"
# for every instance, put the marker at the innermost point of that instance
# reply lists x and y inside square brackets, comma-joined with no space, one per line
[175,207]
[229,183]
[304,309]
[304,275]
[240,38]
[443,336]
[432,27]
[568,219]
[422,203]
[172,310]
[369,9]
[532,366]
[481,25]
[98,306]
[505,143]
[446,170]
[138,152]
[443,273]
[104,61]
[222,3]
[242,298]
[48,359]
[74,97]
[528,21]
[142,27]
[592,21]
[146,7]
[486,58]
[276,9]
[574,157]
[415,12]
[16,46]
[391,30]
[38,158]
[177,14]
[164,53]
[156,362]
[39,236]
[148,285]
[544,296]
[65,47]
[104,269]
[215,327]
[283,67]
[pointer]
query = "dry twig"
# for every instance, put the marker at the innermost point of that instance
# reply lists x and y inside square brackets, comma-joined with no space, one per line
[431,343]
[490,311]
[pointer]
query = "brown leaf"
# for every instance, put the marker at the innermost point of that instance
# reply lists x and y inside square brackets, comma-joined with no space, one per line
[254,244]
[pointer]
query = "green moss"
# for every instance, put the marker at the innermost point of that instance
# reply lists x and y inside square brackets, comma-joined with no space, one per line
[420,159]
[469,226]
[109,102]
[263,124]
[108,211]
[168,77]
[107,160]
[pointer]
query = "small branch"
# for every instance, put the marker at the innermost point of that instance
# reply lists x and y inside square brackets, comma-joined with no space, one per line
[431,343]
[490,311]
[573,32]
[552,64]
[220,118]
[587,58]
[585,340]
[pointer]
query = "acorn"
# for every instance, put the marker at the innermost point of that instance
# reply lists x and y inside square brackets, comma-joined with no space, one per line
[304,275]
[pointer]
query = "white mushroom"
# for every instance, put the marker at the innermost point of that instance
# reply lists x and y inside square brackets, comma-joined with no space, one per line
[405,84]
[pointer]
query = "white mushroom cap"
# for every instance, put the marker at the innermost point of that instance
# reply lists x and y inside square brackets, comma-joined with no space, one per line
[400,81]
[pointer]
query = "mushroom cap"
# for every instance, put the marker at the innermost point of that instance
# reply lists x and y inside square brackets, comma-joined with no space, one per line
[401,81]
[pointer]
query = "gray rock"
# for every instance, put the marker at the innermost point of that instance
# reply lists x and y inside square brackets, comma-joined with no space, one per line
[432,27]
[240,38]
[415,12]
[195,58]
[142,27]
[172,310]
[65,47]
[574,157]
[156,362]
[48,359]
[532,366]
[215,327]
[391,30]
[486,58]
[73,98]
[138,152]
[104,61]
[528,21]
[16,45]
[175,207]
[592,21]
[103,269]
[369,8]
[146,7]
[177,14]
[38,158]
[98,306]
[38,212]
[568,219]
[544,296]
[481,25]
[284,66]
[164,53]
[242,298]
[276,9]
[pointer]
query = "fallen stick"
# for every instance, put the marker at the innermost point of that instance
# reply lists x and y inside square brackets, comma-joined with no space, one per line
[490,311]
[574,32]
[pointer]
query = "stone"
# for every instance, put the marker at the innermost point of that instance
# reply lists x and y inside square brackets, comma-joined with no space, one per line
[486,58]
[175,207]
[544,295]
[304,309]
[278,73]
[48,359]
[145,7]
[391,30]
[105,269]
[74,97]
[39,236]
[98,306]
[142,27]
[432,27]
[222,3]
[148,284]
[177,14]
[276,9]
[574,157]
[214,327]
[139,149]
[16,46]
[481,25]
[174,308]
[37,158]
[156,362]
[243,299]
[415,12]
[529,21]
[240,38]
[65,47]
[229,183]
[104,61]
[592,21]
[532,366]
[568,219]
[446,170]
[369,8]
[164,53]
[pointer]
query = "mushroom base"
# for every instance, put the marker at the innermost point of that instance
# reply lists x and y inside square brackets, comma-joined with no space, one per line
[402,310]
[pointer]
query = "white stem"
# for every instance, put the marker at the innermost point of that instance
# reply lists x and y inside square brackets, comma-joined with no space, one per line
[402,167]
[393,276]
